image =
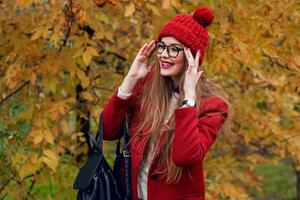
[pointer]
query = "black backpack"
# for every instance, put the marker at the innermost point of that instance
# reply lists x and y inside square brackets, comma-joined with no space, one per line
[96,180]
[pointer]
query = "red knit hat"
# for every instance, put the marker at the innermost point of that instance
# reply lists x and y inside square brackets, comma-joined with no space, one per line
[190,30]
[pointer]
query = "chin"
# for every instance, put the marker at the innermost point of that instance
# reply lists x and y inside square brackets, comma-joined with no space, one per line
[168,72]
[174,71]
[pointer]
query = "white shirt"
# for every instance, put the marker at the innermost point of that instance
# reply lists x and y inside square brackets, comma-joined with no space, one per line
[144,168]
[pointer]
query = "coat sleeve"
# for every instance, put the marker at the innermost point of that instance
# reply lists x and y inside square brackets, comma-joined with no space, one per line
[115,110]
[195,134]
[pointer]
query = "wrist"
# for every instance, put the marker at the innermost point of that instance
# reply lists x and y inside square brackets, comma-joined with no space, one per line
[128,85]
[189,96]
[189,93]
[131,76]
[190,102]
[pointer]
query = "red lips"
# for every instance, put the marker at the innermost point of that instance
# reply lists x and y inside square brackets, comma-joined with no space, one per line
[166,64]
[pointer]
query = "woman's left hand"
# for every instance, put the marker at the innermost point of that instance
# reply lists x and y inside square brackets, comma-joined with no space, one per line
[192,74]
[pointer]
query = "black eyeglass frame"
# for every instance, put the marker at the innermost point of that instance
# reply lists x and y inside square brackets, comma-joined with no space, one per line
[167,46]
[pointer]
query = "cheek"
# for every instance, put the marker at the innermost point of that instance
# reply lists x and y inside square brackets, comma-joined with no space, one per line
[180,63]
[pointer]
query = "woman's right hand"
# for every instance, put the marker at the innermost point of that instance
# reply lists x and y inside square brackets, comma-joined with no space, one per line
[140,66]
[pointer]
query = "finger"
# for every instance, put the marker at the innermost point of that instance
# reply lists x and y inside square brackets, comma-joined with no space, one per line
[199,75]
[192,61]
[191,56]
[187,65]
[150,48]
[188,57]
[197,59]
[186,53]
[143,49]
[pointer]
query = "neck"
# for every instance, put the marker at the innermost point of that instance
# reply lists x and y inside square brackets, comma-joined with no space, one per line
[175,81]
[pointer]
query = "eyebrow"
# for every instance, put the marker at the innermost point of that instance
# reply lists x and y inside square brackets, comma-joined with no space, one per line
[173,44]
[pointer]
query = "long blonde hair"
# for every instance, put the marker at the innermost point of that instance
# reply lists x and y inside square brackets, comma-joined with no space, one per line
[154,107]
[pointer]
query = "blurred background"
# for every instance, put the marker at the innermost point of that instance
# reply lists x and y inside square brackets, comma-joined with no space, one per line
[61,60]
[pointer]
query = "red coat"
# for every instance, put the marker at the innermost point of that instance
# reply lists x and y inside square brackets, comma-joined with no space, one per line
[194,135]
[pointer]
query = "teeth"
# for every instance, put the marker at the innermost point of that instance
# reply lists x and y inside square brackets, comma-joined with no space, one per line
[167,63]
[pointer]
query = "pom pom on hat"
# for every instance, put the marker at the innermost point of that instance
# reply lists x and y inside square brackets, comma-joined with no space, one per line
[204,16]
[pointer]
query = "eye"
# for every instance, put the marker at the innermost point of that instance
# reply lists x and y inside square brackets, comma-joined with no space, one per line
[174,49]
[160,46]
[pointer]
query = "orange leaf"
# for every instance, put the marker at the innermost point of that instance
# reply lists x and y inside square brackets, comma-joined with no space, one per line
[129,9]
[166,4]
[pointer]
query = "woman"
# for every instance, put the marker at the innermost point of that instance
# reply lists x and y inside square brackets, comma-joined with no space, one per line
[175,112]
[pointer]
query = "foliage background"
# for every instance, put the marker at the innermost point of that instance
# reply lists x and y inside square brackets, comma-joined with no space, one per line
[60,61]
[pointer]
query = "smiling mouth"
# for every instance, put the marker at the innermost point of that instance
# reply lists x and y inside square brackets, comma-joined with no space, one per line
[166,65]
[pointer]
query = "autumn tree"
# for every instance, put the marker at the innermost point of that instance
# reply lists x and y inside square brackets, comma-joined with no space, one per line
[60,61]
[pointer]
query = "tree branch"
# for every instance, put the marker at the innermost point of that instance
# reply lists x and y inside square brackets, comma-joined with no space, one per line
[14,92]
[102,88]
[6,183]
[30,189]
[69,16]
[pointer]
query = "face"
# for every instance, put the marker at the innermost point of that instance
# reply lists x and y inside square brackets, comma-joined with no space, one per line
[170,64]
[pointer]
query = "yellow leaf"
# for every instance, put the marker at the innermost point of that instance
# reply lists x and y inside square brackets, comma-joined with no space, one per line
[78,53]
[50,162]
[53,2]
[99,35]
[49,153]
[45,32]
[20,3]
[55,38]
[52,84]
[154,9]
[48,136]
[92,51]
[82,16]
[56,109]
[65,127]
[17,158]
[37,136]
[38,33]
[23,170]
[86,57]
[13,76]
[297,60]
[109,36]
[88,54]
[50,158]
[32,78]
[102,17]
[85,80]
[176,4]
[88,96]
[129,9]
[166,4]
[33,158]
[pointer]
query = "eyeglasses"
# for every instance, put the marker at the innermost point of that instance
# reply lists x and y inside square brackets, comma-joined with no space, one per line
[172,50]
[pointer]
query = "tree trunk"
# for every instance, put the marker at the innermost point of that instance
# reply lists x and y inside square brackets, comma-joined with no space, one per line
[83,122]
[298,184]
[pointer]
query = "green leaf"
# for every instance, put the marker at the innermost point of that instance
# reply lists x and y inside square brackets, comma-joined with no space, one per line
[262,105]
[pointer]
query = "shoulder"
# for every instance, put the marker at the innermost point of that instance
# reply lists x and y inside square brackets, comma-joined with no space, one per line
[213,104]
